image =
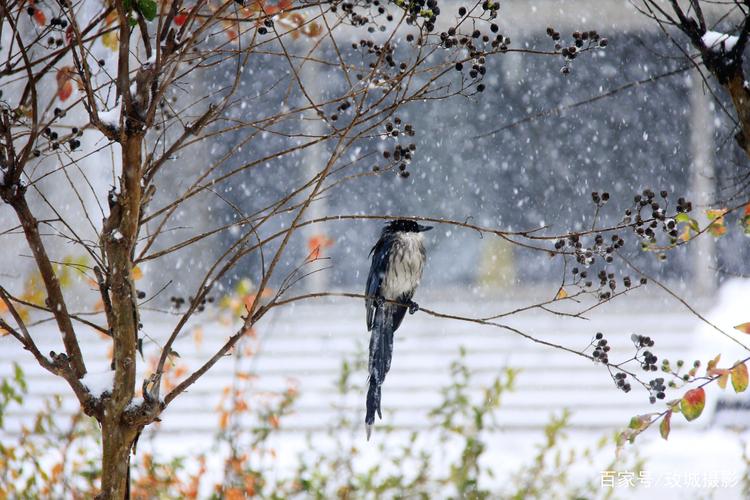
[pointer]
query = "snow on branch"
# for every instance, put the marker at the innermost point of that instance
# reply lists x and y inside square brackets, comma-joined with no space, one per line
[719,42]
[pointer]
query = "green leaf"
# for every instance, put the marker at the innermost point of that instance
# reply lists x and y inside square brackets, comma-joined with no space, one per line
[664,426]
[148,9]
[692,403]
[739,377]
[682,217]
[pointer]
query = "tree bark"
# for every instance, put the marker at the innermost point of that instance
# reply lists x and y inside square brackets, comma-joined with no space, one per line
[119,235]
[117,441]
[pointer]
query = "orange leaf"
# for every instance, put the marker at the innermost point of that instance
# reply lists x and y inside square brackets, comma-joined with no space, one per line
[57,470]
[234,494]
[198,336]
[110,39]
[316,243]
[744,327]
[136,273]
[665,426]
[313,29]
[561,294]
[249,300]
[716,216]
[111,18]
[64,84]
[274,421]
[712,364]
[223,420]
[723,379]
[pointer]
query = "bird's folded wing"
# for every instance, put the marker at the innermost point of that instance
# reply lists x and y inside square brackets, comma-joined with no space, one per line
[375,279]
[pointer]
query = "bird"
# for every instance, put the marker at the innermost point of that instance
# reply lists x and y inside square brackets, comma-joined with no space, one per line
[398,259]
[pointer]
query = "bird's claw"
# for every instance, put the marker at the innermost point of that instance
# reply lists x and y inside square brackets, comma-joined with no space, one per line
[379,301]
[413,307]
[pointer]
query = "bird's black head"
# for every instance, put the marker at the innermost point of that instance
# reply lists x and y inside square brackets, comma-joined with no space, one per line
[406,226]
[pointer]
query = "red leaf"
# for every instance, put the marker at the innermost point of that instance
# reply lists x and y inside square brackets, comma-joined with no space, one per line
[69,34]
[284,4]
[180,19]
[692,403]
[39,17]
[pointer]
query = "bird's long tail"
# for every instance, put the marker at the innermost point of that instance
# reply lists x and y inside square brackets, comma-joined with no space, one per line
[381,352]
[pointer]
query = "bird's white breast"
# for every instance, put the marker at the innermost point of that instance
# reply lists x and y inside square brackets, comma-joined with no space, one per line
[404,266]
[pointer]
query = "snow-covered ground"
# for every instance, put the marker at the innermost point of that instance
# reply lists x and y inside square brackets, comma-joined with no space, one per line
[305,346]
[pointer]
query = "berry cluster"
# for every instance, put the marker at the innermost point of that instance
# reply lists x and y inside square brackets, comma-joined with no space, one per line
[647,359]
[386,69]
[648,362]
[341,108]
[601,348]
[424,10]
[656,389]
[621,383]
[401,155]
[55,140]
[646,224]
[587,255]
[178,302]
[641,341]
[581,41]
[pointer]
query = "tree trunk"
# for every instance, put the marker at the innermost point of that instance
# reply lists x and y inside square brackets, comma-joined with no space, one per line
[117,441]
[119,235]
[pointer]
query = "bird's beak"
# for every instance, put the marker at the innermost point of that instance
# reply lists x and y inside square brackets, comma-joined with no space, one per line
[422,228]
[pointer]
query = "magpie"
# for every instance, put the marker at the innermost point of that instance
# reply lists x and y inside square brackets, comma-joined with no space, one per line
[398,259]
